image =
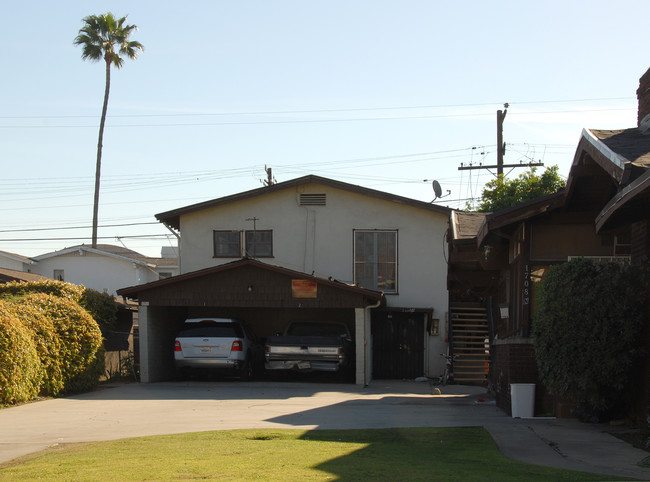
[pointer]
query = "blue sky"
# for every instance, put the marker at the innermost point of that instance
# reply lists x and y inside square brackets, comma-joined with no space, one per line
[387,95]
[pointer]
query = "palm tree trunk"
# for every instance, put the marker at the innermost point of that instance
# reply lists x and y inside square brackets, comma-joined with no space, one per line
[98,167]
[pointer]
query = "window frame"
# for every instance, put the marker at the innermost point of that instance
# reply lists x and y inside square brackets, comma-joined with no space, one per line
[227,255]
[376,263]
[239,249]
[255,232]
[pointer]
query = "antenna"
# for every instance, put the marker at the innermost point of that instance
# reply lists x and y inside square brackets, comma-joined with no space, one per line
[270,179]
[437,190]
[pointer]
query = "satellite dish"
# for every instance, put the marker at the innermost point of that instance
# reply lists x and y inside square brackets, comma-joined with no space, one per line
[437,190]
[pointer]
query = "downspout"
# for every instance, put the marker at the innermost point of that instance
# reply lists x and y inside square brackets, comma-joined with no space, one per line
[366,320]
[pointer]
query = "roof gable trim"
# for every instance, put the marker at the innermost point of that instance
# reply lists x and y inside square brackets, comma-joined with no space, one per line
[616,159]
[172,218]
[88,249]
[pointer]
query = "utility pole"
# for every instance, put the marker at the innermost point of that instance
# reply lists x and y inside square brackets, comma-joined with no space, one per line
[501,149]
[501,146]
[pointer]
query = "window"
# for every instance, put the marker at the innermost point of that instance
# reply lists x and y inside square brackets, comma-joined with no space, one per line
[259,244]
[58,275]
[375,260]
[227,244]
[230,244]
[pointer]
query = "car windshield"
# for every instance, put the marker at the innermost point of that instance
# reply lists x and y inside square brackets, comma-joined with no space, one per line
[316,329]
[212,330]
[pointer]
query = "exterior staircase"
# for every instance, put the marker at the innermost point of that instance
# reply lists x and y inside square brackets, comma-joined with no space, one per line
[469,340]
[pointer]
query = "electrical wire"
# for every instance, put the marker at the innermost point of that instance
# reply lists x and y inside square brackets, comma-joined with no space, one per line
[320,111]
[306,121]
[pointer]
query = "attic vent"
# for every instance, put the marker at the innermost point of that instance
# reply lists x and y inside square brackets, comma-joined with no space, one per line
[313,199]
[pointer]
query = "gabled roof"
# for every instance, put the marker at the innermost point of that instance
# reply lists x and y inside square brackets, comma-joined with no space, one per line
[107,250]
[625,155]
[172,218]
[627,205]
[7,275]
[630,145]
[515,214]
[622,153]
[230,283]
[465,225]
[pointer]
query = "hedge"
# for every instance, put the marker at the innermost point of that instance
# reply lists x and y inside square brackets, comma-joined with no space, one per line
[21,372]
[588,327]
[59,289]
[47,341]
[79,333]
[51,344]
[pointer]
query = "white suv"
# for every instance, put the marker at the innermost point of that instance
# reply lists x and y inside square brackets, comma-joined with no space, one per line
[218,344]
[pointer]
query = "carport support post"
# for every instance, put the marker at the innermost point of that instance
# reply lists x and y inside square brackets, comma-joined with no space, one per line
[361,335]
[143,332]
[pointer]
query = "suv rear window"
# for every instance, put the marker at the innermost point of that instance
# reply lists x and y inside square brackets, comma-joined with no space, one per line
[212,330]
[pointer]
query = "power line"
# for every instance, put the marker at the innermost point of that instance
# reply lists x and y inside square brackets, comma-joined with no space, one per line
[75,227]
[138,236]
[316,111]
[306,121]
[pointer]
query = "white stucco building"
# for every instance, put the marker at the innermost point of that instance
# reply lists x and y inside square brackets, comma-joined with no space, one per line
[328,231]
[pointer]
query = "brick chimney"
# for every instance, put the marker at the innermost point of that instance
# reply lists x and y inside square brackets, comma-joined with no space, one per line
[643,94]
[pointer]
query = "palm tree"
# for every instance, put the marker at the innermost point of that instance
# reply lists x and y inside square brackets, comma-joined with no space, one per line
[105,37]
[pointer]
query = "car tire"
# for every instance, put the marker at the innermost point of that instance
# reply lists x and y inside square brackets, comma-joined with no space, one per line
[246,371]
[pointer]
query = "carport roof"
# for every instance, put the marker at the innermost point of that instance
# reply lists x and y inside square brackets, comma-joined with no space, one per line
[251,283]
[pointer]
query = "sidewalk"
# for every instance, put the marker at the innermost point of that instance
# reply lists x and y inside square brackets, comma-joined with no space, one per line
[177,407]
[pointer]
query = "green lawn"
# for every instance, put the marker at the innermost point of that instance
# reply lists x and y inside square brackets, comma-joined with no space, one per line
[390,454]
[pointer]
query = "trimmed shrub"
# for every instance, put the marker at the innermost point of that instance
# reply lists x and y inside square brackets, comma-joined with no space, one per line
[63,334]
[587,326]
[21,371]
[80,336]
[102,308]
[47,342]
[88,379]
[59,289]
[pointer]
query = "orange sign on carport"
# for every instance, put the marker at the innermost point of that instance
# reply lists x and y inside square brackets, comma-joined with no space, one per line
[302,288]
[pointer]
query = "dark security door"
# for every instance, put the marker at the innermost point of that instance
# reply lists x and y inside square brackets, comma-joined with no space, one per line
[397,345]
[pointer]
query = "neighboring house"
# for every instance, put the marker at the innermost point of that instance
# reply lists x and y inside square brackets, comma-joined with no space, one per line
[496,260]
[15,261]
[105,268]
[350,248]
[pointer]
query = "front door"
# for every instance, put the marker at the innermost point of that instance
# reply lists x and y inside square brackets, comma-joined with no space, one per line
[397,345]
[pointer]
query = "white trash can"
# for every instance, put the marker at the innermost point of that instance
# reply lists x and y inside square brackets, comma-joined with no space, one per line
[522,398]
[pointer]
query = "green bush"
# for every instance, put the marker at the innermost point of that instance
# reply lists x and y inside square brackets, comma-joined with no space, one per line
[102,308]
[88,379]
[46,339]
[59,289]
[21,372]
[79,333]
[64,336]
[588,327]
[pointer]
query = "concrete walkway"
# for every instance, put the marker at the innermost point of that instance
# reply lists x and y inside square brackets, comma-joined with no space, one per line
[176,407]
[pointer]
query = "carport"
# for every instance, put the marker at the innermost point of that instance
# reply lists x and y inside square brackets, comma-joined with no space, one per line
[267,297]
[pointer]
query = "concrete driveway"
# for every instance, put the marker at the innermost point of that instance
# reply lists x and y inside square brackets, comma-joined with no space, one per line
[133,410]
